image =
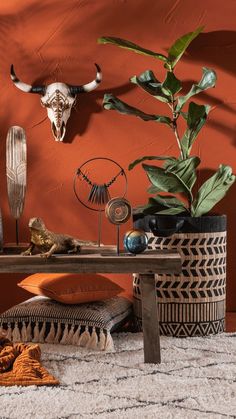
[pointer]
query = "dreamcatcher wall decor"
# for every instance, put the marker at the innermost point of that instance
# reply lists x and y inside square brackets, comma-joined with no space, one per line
[94,188]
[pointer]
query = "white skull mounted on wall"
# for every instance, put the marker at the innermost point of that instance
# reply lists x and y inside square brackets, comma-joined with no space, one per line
[58,98]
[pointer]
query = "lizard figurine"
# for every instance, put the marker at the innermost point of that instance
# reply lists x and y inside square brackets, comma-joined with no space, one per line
[48,242]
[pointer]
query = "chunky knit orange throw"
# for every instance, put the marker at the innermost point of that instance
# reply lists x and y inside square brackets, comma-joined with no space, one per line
[20,365]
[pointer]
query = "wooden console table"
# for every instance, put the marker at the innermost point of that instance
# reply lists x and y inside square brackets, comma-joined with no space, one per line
[146,264]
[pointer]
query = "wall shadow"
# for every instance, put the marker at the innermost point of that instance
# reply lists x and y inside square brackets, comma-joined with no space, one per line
[86,106]
[217,48]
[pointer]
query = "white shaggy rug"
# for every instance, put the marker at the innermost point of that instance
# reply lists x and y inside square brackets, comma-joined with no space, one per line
[196,379]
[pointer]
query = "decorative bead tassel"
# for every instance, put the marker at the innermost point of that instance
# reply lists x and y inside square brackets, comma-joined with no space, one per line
[109,346]
[99,193]
[92,192]
[42,333]
[75,339]
[93,341]
[102,340]
[36,333]
[65,335]
[16,335]
[58,334]
[24,333]
[9,331]
[84,337]
[29,333]
[51,335]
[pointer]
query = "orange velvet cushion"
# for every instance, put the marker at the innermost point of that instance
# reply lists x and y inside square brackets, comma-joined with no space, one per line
[71,288]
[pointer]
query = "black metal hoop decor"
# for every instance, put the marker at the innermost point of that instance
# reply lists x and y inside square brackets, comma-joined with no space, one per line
[99,192]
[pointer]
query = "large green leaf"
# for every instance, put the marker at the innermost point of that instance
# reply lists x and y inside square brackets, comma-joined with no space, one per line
[196,118]
[195,113]
[184,169]
[212,191]
[151,207]
[184,115]
[123,43]
[207,81]
[164,205]
[152,189]
[166,181]
[179,47]
[168,201]
[171,84]
[148,82]
[111,102]
[141,159]
[171,211]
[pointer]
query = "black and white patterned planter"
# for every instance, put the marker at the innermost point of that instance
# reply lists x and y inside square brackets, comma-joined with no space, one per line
[191,303]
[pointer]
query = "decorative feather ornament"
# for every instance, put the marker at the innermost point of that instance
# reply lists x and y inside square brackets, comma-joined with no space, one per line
[16,165]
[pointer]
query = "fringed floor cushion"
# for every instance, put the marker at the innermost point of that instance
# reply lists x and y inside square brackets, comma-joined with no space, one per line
[41,319]
[20,365]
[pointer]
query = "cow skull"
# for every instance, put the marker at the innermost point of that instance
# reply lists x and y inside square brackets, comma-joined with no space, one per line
[58,98]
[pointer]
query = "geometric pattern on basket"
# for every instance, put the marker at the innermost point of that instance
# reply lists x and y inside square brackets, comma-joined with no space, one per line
[203,254]
[190,312]
[186,320]
[189,329]
[193,329]
[181,289]
[195,244]
[198,292]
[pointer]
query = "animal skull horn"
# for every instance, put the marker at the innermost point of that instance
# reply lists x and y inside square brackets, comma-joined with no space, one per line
[58,98]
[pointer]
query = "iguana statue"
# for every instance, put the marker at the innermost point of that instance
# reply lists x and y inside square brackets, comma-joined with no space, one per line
[48,242]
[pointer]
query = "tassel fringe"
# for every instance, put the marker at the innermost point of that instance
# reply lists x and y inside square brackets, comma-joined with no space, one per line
[64,338]
[93,340]
[75,339]
[42,333]
[51,335]
[16,336]
[36,333]
[24,333]
[85,336]
[58,334]
[9,333]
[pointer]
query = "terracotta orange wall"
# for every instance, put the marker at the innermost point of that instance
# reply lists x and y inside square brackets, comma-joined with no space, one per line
[56,40]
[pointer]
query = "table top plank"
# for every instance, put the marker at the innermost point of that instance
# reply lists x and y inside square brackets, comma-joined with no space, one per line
[162,261]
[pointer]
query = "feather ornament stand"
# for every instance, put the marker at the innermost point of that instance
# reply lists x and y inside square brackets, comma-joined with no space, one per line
[16,168]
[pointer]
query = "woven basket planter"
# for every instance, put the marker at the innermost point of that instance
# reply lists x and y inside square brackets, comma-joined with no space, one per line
[191,303]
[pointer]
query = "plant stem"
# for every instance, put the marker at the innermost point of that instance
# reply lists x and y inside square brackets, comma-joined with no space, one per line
[177,138]
[174,126]
[175,116]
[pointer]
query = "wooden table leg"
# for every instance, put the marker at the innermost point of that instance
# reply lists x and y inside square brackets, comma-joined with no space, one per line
[150,319]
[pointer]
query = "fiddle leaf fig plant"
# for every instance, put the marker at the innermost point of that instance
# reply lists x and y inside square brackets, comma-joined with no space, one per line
[172,184]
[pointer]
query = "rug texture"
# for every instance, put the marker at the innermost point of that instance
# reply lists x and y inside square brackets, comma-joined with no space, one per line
[196,379]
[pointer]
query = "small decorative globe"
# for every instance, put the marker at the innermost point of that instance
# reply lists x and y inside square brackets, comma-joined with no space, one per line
[135,241]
